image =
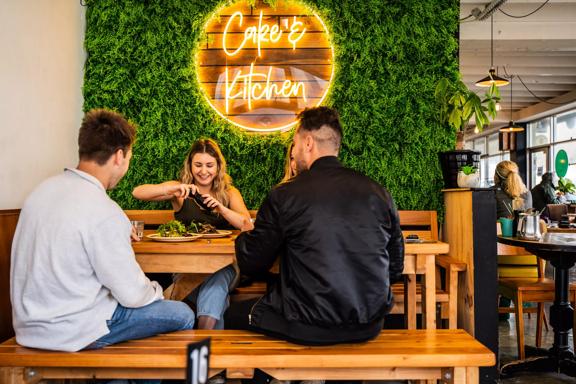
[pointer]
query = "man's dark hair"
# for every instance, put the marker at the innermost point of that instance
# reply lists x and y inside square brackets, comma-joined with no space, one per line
[547,177]
[102,133]
[312,119]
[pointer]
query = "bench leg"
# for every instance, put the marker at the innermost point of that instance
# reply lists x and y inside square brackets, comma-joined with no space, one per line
[460,375]
[410,301]
[452,288]
[13,376]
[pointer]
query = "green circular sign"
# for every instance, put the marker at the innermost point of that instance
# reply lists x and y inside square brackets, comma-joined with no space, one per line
[561,163]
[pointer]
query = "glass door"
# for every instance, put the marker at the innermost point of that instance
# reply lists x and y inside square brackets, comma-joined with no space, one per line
[539,164]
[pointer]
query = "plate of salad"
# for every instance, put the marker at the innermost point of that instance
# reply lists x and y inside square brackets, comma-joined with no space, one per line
[172,232]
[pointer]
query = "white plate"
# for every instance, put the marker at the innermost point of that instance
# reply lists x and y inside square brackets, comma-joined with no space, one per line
[219,233]
[157,237]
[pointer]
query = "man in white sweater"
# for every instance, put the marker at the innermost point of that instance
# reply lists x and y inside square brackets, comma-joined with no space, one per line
[75,282]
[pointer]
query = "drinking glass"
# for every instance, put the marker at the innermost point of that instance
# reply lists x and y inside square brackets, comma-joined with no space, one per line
[139,227]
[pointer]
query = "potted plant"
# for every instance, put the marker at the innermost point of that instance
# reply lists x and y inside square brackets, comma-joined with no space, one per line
[457,105]
[566,188]
[468,177]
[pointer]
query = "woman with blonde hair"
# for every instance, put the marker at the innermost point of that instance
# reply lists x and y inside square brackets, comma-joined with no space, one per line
[289,164]
[203,172]
[511,193]
[203,194]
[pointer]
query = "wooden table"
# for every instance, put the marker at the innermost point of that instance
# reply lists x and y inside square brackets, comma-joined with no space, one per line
[561,230]
[560,250]
[210,255]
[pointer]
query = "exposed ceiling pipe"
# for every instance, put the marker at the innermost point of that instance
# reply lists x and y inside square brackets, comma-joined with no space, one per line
[488,10]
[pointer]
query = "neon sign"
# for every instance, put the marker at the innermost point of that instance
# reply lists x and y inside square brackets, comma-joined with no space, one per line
[260,66]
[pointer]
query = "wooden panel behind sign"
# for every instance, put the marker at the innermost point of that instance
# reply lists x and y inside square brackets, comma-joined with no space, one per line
[260,66]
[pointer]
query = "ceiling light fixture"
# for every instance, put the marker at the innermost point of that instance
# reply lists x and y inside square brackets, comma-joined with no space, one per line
[492,77]
[511,127]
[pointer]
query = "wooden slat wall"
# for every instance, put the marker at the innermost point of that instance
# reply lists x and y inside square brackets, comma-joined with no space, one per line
[8,221]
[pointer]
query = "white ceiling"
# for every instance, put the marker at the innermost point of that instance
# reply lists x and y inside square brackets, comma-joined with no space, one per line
[540,48]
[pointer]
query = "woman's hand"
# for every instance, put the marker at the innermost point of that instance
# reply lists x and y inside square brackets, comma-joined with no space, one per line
[212,203]
[180,190]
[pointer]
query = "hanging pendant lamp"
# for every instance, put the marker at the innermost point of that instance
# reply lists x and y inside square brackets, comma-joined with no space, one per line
[492,77]
[511,127]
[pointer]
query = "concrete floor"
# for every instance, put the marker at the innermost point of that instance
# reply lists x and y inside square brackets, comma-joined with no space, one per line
[509,351]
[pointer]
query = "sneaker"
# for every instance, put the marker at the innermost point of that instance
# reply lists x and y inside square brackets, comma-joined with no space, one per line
[218,379]
[276,381]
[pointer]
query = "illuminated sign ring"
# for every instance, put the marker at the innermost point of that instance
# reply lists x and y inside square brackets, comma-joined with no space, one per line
[260,66]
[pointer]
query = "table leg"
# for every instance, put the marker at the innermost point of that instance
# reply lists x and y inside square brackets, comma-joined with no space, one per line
[561,313]
[559,358]
[429,293]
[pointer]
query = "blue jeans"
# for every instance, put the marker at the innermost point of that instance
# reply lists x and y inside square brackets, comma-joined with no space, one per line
[136,323]
[213,295]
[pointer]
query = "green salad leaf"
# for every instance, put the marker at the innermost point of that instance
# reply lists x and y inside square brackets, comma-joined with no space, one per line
[173,228]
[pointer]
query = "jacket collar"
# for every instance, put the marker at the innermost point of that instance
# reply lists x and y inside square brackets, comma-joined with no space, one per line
[326,162]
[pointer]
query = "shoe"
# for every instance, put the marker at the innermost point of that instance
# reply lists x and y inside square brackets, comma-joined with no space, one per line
[218,379]
[276,381]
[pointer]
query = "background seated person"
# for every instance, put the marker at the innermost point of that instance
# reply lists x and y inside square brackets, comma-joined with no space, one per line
[544,193]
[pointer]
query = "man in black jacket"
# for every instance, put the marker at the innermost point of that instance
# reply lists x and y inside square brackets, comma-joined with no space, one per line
[338,237]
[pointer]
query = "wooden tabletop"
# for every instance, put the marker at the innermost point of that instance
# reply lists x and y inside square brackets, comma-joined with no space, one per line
[561,230]
[206,256]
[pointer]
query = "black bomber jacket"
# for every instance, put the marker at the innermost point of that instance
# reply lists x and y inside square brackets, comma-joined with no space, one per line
[338,235]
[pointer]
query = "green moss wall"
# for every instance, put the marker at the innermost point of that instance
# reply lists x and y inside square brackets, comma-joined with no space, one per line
[389,56]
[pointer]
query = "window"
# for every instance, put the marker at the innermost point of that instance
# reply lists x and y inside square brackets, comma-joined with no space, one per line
[546,137]
[538,165]
[480,145]
[539,132]
[491,155]
[565,127]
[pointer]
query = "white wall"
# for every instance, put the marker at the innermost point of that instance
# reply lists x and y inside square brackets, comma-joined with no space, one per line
[41,70]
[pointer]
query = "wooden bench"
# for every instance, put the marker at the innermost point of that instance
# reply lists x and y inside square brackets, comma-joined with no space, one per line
[452,356]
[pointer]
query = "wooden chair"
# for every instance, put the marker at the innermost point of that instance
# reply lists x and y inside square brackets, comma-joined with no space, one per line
[521,278]
[555,211]
[425,225]
[151,218]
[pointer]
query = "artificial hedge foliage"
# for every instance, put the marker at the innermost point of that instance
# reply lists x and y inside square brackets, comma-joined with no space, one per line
[389,56]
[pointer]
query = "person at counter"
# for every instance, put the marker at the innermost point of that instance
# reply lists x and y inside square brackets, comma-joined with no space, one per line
[544,193]
[341,247]
[203,172]
[75,282]
[511,193]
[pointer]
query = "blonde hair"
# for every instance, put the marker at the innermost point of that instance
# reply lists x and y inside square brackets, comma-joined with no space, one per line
[222,181]
[507,177]
[288,172]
